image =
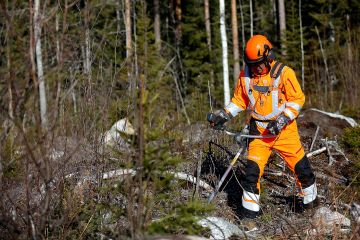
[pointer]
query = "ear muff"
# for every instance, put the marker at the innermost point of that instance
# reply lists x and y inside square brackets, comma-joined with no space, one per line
[271,55]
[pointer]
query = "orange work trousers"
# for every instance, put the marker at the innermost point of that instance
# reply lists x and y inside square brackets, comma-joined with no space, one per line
[288,145]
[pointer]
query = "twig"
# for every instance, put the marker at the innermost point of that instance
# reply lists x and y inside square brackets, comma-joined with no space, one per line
[313,141]
[210,96]
[87,224]
[331,159]
[181,99]
[325,63]
[198,172]
[316,152]
[357,175]
[337,148]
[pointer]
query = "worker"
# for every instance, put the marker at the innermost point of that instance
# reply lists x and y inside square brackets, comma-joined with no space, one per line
[271,92]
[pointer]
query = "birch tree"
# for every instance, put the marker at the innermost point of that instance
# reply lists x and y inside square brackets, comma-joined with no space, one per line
[224,53]
[282,22]
[39,63]
[234,27]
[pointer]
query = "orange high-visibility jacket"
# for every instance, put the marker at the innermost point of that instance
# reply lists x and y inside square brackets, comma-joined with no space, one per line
[267,97]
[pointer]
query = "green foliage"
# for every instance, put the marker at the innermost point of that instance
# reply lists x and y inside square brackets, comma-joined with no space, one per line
[10,158]
[351,140]
[181,220]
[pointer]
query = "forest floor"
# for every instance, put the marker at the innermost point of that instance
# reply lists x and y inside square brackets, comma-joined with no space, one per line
[84,179]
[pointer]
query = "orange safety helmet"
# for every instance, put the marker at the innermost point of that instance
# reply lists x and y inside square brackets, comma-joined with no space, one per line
[258,49]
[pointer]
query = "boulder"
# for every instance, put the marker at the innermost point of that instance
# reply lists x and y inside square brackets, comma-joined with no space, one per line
[325,217]
[222,229]
[330,124]
[113,136]
[355,212]
[176,237]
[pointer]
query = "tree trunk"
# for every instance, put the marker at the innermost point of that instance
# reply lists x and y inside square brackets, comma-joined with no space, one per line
[208,40]
[326,66]
[157,25]
[128,28]
[282,22]
[275,16]
[39,63]
[251,20]
[224,53]
[57,35]
[234,28]
[129,50]
[242,30]
[302,49]
[207,23]
[331,25]
[9,78]
[178,13]
[350,54]
[87,60]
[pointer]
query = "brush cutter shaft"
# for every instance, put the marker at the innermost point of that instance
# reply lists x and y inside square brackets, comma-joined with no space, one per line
[212,196]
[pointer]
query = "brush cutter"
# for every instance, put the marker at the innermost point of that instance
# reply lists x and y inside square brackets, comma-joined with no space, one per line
[239,138]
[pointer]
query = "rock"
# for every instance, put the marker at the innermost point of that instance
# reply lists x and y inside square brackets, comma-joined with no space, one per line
[114,134]
[56,154]
[176,237]
[355,212]
[327,218]
[330,123]
[222,229]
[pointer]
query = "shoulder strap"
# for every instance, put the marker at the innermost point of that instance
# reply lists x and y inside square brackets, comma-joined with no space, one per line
[276,69]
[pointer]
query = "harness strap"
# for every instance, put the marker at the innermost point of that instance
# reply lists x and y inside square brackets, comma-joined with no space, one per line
[276,69]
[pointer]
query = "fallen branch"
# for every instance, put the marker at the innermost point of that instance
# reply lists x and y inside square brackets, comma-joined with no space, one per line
[331,159]
[316,152]
[190,178]
[123,173]
[313,141]
[335,145]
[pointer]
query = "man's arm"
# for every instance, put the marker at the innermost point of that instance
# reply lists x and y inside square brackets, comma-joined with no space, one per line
[295,97]
[239,101]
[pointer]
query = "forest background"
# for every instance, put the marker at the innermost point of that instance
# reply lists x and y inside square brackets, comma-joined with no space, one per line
[71,68]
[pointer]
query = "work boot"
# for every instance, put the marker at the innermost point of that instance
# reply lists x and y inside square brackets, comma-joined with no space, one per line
[248,214]
[315,203]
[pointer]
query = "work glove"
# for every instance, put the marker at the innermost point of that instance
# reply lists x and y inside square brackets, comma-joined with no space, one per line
[275,126]
[218,118]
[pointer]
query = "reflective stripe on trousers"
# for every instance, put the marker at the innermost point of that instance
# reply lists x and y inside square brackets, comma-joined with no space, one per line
[309,193]
[250,201]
